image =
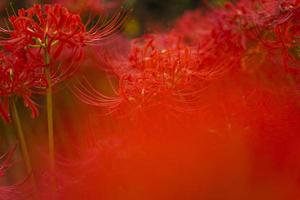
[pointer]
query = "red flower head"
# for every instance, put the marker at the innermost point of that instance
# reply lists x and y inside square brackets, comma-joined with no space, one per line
[261,32]
[268,30]
[43,47]
[280,34]
[55,28]
[52,31]
[162,72]
[19,77]
[153,74]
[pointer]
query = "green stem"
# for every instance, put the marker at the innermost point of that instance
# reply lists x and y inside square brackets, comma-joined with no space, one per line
[24,148]
[50,112]
[21,136]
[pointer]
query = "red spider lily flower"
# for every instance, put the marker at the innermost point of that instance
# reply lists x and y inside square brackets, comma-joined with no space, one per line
[231,19]
[163,72]
[241,19]
[272,23]
[53,30]
[19,77]
[222,35]
[280,35]
[150,76]
[267,31]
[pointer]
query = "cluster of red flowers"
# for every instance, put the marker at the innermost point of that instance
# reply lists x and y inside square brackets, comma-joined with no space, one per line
[171,68]
[201,106]
[19,77]
[232,72]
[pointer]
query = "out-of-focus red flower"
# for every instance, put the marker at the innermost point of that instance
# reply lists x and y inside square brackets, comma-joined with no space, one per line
[280,35]
[266,30]
[270,27]
[163,71]
[160,71]
[242,144]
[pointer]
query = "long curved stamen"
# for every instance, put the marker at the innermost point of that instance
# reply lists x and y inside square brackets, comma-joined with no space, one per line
[88,94]
[103,30]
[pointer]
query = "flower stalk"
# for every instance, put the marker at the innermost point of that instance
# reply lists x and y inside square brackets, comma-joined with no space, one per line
[49,110]
[24,148]
[21,136]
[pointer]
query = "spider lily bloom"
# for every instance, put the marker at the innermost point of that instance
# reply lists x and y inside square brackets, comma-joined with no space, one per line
[149,76]
[271,25]
[19,78]
[231,18]
[160,72]
[222,35]
[268,31]
[280,35]
[52,31]
[56,37]
[258,32]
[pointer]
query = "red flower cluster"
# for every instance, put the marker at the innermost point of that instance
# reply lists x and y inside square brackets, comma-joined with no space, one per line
[208,103]
[53,28]
[152,75]
[163,71]
[242,104]
[267,31]
[42,47]
[19,77]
